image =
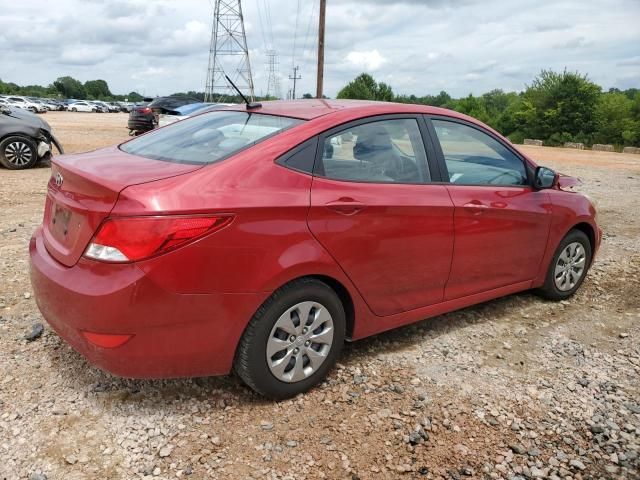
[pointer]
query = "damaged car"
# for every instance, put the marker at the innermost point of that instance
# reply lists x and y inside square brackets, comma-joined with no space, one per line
[25,139]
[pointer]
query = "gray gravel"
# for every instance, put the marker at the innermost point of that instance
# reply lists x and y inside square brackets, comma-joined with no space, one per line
[517,388]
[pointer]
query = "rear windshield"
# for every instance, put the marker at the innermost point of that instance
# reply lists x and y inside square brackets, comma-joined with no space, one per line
[209,137]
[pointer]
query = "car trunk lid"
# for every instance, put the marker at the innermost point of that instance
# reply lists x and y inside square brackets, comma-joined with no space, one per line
[83,190]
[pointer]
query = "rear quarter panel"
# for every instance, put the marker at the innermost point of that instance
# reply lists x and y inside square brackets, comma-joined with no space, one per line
[267,244]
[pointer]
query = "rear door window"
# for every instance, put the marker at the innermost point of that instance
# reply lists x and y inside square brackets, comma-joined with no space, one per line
[209,137]
[384,151]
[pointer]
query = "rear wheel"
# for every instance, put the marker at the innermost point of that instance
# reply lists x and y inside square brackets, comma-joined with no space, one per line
[18,152]
[293,340]
[568,267]
[74,109]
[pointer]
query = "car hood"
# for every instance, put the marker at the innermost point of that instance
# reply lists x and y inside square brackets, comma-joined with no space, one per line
[27,117]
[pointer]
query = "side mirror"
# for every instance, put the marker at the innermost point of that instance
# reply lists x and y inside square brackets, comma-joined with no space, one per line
[544,178]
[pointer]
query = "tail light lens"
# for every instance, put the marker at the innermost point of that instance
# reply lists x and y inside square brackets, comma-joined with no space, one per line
[130,239]
[143,110]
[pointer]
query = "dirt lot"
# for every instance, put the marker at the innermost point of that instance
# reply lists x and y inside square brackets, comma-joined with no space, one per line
[515,388]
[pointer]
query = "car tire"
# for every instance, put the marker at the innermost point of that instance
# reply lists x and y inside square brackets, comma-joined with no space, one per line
[18,152]
[568,267]
[273,330]
[74,109]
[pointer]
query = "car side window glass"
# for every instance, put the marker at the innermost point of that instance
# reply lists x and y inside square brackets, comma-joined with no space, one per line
[302,157]
[386,151]
[475,158]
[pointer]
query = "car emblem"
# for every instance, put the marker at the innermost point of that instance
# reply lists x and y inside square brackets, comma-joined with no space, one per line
[59,179]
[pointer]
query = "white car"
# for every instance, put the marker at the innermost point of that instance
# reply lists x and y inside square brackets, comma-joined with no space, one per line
[26,104]
[82,106]
[100,107]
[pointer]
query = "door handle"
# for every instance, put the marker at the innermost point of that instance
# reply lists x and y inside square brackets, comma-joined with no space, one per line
[476,207]
[346,206]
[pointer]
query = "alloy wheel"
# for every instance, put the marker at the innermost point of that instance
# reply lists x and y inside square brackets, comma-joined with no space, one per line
[570,266]
[18,153]
[300,341]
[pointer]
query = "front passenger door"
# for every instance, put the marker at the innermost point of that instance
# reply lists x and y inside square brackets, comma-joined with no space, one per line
[501,222]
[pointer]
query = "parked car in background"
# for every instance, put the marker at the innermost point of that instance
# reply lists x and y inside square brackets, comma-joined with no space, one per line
[26,104]
[99,106]
[187,111]
[51,105]
[248,239]
[145,117]
[25,138]
[82,106]
[113,106]
[126,107]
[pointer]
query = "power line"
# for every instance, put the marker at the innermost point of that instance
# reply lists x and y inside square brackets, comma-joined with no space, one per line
[295,36]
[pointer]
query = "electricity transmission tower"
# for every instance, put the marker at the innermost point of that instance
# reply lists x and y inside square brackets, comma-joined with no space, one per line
[273,82]
[228,53]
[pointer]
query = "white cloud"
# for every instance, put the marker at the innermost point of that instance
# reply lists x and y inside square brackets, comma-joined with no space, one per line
[417,46]
[369,61]
[84,55]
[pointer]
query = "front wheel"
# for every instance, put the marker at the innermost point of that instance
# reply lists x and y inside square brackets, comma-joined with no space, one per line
[18,152]
[293,340]
[568,267]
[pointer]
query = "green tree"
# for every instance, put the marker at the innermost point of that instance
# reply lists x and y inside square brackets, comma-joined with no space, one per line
[69,87]
[614,121]
[134,97]
[97,89]
[364,87]
[307,96]
[472,106]
[560,106]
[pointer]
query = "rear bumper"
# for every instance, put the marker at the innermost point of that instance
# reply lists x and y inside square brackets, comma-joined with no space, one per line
[173,335]
[141,123]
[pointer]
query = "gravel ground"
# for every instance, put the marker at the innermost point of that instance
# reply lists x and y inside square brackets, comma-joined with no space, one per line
[515,388]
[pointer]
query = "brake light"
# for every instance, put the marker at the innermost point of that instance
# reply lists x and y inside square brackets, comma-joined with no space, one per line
[144,110]
[130,239]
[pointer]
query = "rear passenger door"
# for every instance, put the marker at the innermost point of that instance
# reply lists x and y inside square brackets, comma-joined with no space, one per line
[501,222]
[375,210]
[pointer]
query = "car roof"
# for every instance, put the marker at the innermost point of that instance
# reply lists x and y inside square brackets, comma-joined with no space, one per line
[314,108]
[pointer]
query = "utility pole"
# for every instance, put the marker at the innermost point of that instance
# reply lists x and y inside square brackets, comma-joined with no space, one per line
[228,48]
[320,80]
[294,78]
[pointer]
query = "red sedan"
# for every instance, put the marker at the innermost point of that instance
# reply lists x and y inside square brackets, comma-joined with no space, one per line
[260,239]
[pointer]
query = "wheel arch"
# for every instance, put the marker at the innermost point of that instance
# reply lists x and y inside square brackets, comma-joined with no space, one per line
[345,299]
[340,290]
[16,134]
[589,231]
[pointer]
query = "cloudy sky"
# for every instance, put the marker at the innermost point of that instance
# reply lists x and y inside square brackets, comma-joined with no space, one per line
[417,46]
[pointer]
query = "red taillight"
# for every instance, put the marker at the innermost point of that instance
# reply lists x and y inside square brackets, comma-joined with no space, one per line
[130,239]
[143,110]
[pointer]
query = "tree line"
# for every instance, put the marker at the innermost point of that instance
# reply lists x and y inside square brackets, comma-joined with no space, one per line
[69,87]
[555,107]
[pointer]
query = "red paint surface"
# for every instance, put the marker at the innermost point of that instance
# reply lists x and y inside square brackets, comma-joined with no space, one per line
[402,252]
